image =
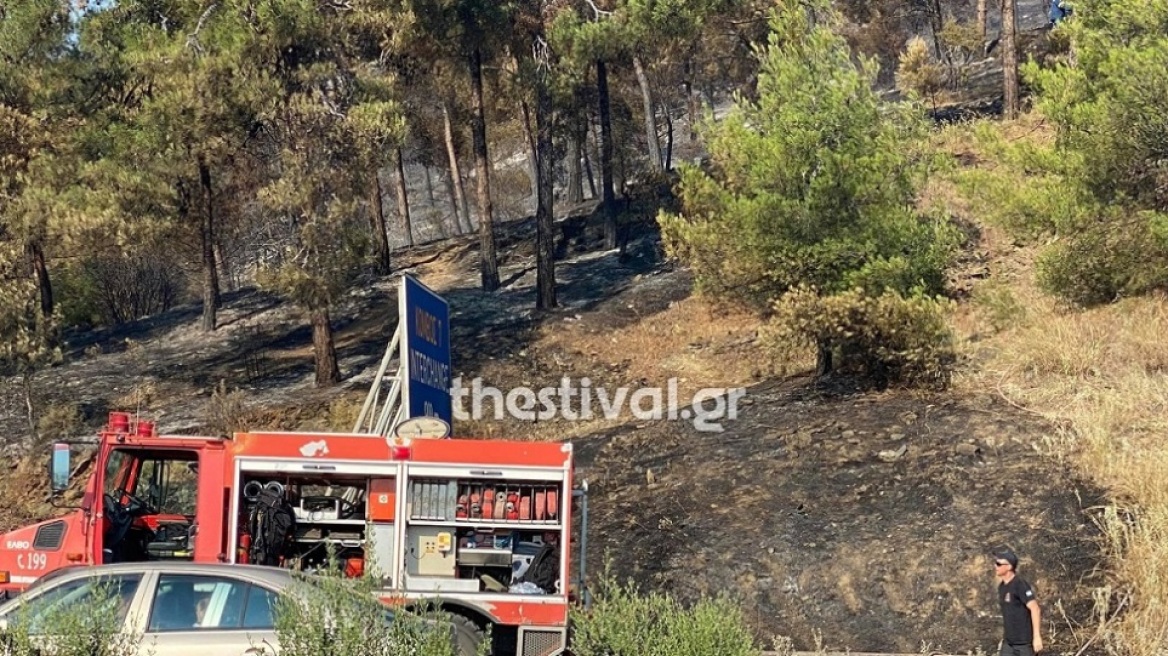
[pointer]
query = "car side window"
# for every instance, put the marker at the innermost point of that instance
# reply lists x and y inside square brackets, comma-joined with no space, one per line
[261,604]
[208,603]
[104,598]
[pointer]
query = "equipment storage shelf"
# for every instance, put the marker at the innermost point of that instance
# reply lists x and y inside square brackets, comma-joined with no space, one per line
[470,523]
[461,502]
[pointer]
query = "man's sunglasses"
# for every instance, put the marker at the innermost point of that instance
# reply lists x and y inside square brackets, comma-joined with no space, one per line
[998,563]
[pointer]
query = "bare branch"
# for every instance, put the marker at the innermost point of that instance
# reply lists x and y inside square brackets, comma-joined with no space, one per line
[541,53]
[597,10]
[193,37]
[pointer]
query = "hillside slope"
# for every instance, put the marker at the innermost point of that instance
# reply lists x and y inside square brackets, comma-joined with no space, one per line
[864,515]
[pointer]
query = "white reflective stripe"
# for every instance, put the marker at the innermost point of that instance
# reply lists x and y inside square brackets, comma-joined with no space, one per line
[23,579]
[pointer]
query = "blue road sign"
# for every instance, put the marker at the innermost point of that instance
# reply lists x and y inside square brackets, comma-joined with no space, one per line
[426,350]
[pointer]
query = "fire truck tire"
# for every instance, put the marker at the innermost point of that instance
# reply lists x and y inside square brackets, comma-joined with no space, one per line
[468,636]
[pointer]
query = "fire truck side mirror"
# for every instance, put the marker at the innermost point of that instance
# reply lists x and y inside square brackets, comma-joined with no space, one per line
[59,468]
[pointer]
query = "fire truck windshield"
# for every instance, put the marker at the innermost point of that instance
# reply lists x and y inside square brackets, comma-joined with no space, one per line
[116,472]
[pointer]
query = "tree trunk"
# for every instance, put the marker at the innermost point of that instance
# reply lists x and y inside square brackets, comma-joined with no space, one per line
[380,230]
[210,271]
[606,151]
[981,17]
[691,101]
[585,151]
[823,363]
[453,195]
[650,114]
[462,208]
[1009,60]
[575,192]
[429,185]
[668,138]
[439,224]
[533,154]
[545,273]
[227,281]
[324,349]
[403,200]
[488,262]
[40,270]
[938,24]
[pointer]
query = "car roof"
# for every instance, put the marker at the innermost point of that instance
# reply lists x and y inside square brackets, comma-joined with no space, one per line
[271,575]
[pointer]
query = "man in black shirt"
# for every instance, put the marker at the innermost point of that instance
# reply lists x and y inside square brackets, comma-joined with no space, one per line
[1021,615]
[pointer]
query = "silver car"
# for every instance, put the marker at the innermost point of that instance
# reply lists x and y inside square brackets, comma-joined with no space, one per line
[177,608]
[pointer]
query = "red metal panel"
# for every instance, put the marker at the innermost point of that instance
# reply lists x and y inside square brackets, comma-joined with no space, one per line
[490,452]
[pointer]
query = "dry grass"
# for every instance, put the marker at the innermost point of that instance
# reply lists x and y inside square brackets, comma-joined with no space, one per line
[699,343]
[1100,377]
[694,341]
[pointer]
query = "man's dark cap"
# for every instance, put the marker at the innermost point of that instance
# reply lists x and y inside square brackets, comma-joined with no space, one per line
[1008,556]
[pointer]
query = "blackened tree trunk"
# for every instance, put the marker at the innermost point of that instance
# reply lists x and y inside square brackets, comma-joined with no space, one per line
[324,349]
[588,152]
[650,117]
[575,191]
[380,230]
[668,138]
[533,159]
[606,152]
[545,273]
[488,262]
[207,234]
[462,208]
[1009,59]
[40,269]
[226,280]
[937,22]
[403,200]
[429,184]
[823,360]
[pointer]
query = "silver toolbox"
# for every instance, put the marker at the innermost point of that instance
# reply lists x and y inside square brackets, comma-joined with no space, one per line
[485,557]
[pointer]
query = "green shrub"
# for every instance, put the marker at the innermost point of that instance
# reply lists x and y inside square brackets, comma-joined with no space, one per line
[624,621]
[59,421]
[917,73]
[1096,251]
[999,305]
[108,290]
[887,338]
[227,412]
[329,614]
[1098,191]
[1106,259]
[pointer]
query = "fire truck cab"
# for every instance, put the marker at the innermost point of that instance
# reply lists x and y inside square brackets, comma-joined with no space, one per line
[481,528]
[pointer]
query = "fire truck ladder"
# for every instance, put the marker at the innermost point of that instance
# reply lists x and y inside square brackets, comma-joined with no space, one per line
[379,416]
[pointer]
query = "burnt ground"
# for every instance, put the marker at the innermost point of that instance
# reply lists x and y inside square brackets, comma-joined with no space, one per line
[865,516]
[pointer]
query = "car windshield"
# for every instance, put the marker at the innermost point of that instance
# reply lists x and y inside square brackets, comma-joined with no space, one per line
[103,600]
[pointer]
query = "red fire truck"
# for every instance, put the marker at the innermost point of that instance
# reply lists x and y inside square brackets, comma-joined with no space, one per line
[461,523]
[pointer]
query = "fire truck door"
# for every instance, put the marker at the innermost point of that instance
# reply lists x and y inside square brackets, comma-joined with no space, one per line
[111,472]
[212,503]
